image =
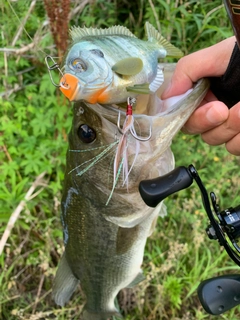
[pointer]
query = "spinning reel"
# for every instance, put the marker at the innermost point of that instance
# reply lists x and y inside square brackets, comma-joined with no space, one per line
[219,294]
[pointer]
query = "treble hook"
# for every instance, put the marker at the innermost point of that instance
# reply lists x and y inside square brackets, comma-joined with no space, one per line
[54,67]
[140,138]
[131,101]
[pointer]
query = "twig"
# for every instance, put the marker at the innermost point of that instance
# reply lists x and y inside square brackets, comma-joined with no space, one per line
[5,150]
[55,312]
[22,24]
[38,293]
[16,89]
[18,51]
[155,15]
[17,211]
[25,70]
[204,23]
[39,300]
[78,9]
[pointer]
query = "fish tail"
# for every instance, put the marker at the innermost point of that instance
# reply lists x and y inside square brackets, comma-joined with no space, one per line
[64,284]
[100,315]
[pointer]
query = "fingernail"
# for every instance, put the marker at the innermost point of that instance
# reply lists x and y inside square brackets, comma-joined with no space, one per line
[186,131]
[214,116]
[167,90]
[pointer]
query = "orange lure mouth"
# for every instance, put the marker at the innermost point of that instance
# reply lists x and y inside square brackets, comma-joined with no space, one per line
[69,85]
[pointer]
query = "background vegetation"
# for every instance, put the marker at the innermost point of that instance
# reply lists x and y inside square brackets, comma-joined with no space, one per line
[34,121]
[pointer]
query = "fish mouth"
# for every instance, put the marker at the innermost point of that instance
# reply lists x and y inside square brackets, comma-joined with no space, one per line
[69,85]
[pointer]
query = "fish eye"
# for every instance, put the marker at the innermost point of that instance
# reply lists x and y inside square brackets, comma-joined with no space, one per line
[98,52]
[78,65]
[86,134]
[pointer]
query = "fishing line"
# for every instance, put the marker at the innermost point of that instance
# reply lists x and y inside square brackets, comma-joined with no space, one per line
[24,29]
[51,67]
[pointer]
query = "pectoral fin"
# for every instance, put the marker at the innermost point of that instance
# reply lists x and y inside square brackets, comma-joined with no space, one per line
[139,278]
[140,88]
[128,66]
[158,80]
[64,284]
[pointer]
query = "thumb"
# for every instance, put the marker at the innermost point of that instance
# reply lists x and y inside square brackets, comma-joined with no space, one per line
[212,61]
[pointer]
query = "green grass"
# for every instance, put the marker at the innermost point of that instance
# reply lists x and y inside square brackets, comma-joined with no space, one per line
[34,122]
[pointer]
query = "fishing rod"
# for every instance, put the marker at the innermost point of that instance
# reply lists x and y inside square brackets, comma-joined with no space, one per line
[226,88]
[233,11]
[219,294]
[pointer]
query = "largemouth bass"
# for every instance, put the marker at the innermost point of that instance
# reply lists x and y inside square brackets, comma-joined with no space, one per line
[104,65]
[105,229]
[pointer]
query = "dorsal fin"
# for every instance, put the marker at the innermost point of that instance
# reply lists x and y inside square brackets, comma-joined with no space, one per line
[154,35]
[77,33]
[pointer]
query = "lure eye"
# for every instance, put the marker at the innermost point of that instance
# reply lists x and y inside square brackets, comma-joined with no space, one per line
[86,134]
[78,65]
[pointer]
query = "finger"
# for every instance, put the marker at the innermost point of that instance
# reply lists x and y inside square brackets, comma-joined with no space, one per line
[225,131]
[212,61]
[233,145]
[206,117]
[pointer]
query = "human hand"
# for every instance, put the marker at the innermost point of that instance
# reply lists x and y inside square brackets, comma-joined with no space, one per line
[213,120]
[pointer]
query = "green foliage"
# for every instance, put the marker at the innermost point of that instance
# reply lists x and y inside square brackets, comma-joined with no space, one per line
[172,291]
[34,121]
[191,24]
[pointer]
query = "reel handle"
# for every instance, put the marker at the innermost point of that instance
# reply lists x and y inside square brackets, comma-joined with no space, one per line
[155,190]
[220,294]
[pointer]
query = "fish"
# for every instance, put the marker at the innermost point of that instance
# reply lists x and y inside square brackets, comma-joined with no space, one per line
[105,229]
[104,65]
